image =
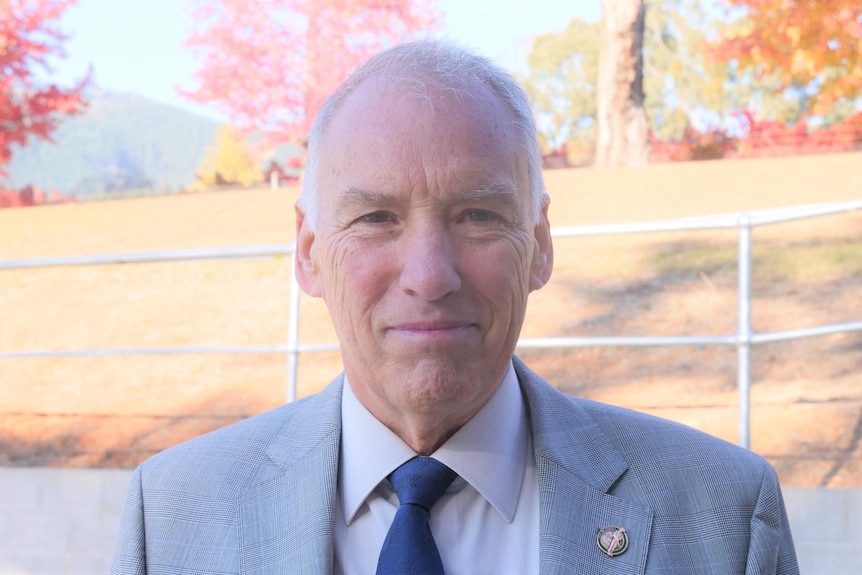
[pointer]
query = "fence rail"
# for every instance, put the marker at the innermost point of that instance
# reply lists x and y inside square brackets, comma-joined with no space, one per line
[743,340]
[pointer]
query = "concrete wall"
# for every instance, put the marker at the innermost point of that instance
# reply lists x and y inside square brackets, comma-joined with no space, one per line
[55,521]
[827,529]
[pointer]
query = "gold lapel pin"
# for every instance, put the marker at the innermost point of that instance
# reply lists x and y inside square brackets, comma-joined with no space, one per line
[612,540]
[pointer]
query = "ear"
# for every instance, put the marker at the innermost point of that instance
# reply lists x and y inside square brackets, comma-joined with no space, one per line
[543,257]
[307,272]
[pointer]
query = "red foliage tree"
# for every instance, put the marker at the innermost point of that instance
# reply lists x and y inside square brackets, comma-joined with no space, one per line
[803,43]
[28,37]
[30,196]
[269,64]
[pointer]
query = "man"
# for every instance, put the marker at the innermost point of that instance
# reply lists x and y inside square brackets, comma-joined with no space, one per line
[423,225]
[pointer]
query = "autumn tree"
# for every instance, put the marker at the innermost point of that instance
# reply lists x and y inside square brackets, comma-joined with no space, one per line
[229,162]
[269,64]
[29,37]
[811,49]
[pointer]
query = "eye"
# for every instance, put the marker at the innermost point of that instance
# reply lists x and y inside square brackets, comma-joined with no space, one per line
[478,216]
[376,218]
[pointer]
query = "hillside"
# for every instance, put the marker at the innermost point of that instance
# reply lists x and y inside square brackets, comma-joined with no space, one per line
[122,142]
[806,397]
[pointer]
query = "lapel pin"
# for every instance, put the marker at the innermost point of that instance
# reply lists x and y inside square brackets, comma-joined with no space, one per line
[612,540]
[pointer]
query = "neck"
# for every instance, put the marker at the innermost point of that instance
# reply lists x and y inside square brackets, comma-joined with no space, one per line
[423,428]
[424,435]
[428,403]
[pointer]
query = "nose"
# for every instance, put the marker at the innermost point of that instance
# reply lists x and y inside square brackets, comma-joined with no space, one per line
[428,258]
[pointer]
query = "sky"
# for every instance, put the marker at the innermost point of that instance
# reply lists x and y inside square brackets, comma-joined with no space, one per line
[137,45]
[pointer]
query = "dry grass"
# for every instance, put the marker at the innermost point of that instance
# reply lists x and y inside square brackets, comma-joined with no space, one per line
[807,396]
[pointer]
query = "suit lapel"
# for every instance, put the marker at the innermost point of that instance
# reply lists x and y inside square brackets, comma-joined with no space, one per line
[286,518]
[577,466]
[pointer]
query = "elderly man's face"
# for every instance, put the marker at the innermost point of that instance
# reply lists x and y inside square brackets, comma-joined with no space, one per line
[424,249]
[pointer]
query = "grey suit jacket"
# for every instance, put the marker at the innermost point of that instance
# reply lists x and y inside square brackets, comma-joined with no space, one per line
[258,496]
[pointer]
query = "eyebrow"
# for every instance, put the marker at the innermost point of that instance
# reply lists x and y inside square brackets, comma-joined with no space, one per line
[362,196]
[352,199]
[491,191]
[354,196]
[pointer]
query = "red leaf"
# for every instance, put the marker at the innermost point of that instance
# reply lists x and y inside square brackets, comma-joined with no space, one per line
[269,64]
[27,36]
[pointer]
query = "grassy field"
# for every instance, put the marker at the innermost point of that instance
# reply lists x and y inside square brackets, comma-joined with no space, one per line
[807,395]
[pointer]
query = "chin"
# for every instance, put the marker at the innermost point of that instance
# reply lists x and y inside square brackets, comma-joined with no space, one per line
[432,382]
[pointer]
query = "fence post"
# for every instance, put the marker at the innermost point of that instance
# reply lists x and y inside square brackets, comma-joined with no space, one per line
[293,332]
[743,338]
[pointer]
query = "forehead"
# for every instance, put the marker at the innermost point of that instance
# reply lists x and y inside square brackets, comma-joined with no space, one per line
[421,97]
[412,133]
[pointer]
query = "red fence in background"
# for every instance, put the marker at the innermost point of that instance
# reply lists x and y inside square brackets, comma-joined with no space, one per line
[758,139]
[761,138]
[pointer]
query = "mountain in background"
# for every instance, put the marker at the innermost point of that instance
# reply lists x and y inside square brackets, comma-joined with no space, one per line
[122,143]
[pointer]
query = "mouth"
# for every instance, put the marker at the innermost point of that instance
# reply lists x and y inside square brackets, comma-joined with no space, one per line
[433,330]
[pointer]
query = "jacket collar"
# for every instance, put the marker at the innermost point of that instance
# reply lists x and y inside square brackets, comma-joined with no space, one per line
[566,434]
[578,466]
[286,519]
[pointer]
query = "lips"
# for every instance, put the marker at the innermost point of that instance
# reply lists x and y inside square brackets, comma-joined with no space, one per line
[436,325]
[431,331]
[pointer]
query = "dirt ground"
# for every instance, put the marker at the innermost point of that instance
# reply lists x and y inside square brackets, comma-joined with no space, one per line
[806,415]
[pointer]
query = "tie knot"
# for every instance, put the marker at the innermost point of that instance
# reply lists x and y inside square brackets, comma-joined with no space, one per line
[421,481]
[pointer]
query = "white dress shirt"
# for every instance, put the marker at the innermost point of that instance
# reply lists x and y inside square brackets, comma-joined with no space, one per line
[488,519]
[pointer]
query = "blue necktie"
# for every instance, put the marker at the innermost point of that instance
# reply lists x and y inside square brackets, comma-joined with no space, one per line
[409,548]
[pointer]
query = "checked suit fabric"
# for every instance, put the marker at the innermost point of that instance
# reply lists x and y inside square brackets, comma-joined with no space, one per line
[258,497]
[409,546]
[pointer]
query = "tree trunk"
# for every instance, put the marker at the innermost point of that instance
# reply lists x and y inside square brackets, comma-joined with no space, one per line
[622,125]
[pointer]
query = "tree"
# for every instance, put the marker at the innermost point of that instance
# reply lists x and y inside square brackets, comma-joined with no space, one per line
[685,89]
[269,64]
[683,85]
[28,38]
[561,83]
[622,126]
[809,49]
[228,162]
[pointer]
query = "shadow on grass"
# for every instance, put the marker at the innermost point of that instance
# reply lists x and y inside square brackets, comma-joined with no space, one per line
[807,283]
[104,441]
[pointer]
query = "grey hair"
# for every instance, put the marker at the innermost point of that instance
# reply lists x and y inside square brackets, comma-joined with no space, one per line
[418,64]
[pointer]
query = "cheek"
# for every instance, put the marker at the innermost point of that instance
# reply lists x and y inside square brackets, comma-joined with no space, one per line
[501,273]
[357,278]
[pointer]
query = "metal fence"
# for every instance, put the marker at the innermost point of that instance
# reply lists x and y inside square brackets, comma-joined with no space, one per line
[743,340]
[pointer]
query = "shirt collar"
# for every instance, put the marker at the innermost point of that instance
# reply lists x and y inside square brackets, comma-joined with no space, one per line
[489,452]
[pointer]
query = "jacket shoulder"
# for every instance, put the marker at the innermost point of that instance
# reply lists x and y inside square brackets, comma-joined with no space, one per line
[674,468]
[238,455]
[641,436]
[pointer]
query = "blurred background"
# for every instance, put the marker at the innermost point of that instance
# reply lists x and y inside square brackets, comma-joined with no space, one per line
[704,162]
